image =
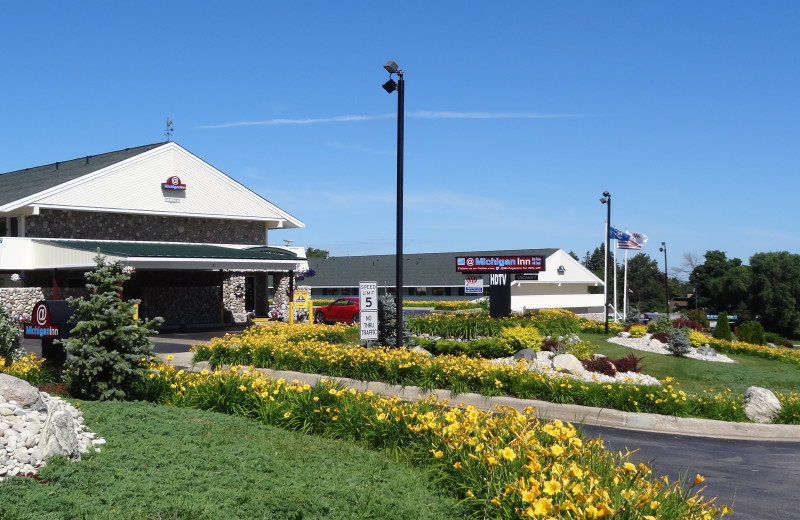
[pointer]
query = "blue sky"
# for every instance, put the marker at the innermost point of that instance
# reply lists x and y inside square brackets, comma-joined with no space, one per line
[518,114]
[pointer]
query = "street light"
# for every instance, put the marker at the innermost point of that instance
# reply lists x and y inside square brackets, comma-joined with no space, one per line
[666,275]
[606,199]
[390,86]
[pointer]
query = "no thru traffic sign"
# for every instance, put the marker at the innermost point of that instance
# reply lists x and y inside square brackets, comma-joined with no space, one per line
[368,313]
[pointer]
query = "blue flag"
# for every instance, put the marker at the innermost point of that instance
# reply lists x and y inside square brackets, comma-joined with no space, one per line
[616,234]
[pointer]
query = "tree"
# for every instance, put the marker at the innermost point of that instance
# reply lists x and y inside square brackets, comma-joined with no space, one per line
[775,291]
[312,252]
[110,349]
[387,323]
[594,262]
[722,284]
[646,282]
[723,328]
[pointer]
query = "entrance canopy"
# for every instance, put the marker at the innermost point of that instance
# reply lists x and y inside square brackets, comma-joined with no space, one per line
[32,254]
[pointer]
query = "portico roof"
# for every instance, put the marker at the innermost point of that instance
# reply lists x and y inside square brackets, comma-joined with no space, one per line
[32,254]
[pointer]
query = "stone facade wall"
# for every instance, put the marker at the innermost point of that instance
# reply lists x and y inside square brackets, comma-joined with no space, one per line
[280,298]
[233,293]
[114,226]
[181,305]
[19,301]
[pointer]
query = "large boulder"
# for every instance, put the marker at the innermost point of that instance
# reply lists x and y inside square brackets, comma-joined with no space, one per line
[59,434]
[568,363]
[21,392]
[761,405]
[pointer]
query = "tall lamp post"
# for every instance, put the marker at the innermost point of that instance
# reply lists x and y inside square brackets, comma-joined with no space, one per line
[390,86]
[606,199]
[666,273]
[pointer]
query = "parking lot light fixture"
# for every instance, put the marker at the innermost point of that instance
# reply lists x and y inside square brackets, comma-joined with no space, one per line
[390,86]
[606,199]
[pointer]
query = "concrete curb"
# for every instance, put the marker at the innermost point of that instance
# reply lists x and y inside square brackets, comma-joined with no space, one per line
[571,413]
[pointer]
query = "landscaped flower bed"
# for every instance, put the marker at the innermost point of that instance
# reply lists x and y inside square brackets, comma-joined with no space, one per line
[505,464]
[285,347]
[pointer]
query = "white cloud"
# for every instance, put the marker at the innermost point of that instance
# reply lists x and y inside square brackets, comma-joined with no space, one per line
[419,114]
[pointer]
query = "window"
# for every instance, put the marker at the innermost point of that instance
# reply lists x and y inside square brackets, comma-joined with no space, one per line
[420,291]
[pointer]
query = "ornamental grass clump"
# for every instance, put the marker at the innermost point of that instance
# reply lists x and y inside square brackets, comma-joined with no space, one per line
[503,464]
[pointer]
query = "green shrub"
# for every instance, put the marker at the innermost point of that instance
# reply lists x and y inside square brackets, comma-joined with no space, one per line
[699,315]
[518,337]
[638,331]
[662,324]
[110,349]
[9,337]
[752,332]
[723,328]
[678,343]
[487,348]
[775,339]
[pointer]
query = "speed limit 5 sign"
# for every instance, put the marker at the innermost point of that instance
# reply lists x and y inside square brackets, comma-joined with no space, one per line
[368,302]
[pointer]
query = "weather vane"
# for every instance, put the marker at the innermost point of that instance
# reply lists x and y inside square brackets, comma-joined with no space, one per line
[168,133]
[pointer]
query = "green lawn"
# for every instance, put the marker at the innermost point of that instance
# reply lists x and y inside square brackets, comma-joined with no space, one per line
[695,375]
[164,463]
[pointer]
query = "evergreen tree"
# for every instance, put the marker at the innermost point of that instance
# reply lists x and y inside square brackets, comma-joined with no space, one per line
[387,323]
[678,343]
[723,328]
[110,350]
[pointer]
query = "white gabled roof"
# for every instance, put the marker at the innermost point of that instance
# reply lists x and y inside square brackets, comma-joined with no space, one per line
[134,185]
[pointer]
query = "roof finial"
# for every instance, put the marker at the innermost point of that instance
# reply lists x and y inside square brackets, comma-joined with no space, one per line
[168,133]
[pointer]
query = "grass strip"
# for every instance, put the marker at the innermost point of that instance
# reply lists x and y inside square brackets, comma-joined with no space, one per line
[164,462]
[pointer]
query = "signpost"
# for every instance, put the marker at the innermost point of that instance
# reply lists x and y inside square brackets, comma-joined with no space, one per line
[368,313]
[473,285]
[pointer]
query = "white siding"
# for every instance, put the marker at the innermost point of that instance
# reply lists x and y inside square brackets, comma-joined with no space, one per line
[135,186]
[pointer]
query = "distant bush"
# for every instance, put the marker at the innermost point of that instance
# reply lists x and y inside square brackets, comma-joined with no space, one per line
[662,324]
[775,339]
[752,332]
[686,323]
[700,316]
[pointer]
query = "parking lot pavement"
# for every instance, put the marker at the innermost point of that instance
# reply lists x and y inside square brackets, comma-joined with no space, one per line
[166,342]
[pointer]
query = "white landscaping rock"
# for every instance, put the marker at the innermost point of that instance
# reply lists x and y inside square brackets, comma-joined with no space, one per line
[568,363]
[761,405]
